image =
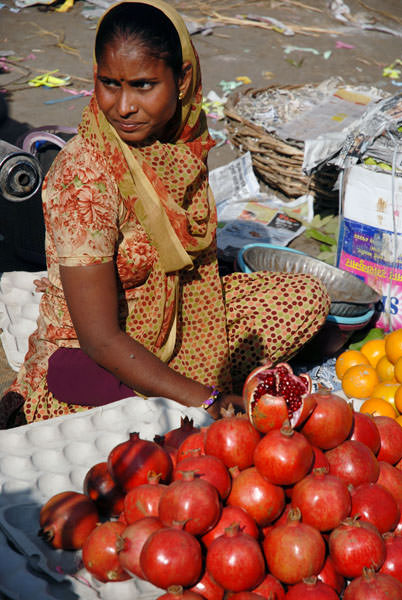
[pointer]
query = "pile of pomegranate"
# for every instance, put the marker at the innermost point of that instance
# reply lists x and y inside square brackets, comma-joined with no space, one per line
[299,498]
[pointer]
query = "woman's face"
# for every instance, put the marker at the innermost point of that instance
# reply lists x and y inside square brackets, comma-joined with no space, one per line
[137,92]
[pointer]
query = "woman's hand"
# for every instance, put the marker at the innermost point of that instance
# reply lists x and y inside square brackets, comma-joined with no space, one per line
[41,284]
[227,400]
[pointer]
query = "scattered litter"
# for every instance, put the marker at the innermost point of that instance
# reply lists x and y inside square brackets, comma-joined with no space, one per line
[398,83]
[67,4]
[267,74]
[197,26]
[246,214]
[391,71]
[276,25]
[340,44]
[241,20]
[78,93]
[229,86]
[213,105]
[327,54]
[219,136]
[48,80]
[289,49]
[295,63]
[243,79]
[341,12]
[66,99]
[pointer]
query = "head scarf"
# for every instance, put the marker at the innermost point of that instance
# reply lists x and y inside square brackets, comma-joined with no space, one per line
[168,224]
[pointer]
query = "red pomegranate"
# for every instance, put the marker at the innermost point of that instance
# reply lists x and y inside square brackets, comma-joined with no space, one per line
[208,588]
[366,431]
[391,439]
[171,556]
[235,560]
[67,519]
[270,588]
[391,478]
[354,545]
[100,552]
[103,490]
[329,575]
[375,504]
[192,501]
[263,500]
[294,550]
[311,588]
[130,462]
[194,442]
[176,592]
[324,500]
[175,437]
[353,462]
[207,467]
[330,422]
[273,394]
[232,439]
[143,500]
[283,456]
[131,542]
[373,586]
[393,556]
[230,515]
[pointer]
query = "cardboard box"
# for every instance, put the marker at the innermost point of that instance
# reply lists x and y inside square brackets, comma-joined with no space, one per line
[370,239]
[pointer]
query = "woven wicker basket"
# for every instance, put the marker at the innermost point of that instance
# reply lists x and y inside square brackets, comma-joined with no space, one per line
[279,163]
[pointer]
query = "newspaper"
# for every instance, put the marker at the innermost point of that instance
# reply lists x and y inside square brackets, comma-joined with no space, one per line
[376,131]
[247,215]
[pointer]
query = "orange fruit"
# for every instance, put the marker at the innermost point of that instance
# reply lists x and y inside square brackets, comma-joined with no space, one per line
[398,399]
[399,420]
[359,381]
[373,350]
[378,407]
[398,370]
[385,369]
[386,390]
[348,359]
[393,345]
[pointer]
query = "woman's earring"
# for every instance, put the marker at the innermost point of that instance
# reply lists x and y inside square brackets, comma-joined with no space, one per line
[181,95]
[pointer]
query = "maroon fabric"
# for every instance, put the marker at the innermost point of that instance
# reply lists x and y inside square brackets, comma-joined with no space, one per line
[74,378]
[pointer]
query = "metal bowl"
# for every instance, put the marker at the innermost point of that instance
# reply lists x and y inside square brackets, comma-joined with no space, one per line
[350,296]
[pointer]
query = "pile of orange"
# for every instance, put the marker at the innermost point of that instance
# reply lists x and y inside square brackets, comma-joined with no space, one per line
[374,374]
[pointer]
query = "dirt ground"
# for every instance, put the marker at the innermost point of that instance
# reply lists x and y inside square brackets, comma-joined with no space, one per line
[43,40]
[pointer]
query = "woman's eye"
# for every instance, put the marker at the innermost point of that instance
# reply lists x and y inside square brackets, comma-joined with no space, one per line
[143,85]
[109,82]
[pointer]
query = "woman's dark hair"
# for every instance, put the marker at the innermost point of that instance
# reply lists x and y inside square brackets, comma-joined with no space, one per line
[145,24]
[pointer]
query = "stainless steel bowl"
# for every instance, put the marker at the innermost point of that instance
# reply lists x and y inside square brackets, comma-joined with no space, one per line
[350,296]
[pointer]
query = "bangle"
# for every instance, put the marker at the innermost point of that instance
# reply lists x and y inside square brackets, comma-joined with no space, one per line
[214,396]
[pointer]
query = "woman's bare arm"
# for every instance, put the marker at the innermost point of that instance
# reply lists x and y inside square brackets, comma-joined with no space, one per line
[92,299]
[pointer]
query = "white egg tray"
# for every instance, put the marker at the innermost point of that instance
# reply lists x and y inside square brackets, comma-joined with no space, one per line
[19,309]
[47,457]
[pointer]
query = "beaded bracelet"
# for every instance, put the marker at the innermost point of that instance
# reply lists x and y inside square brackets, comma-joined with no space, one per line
[215,395]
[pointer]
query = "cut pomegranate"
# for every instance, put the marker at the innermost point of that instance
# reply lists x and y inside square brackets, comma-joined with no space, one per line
[275,394]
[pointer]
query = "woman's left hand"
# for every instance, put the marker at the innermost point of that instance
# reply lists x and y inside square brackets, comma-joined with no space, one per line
[227,400]
[41,284]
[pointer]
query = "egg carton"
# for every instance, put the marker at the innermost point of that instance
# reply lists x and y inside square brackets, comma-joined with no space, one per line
[19,310]
[48,457]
